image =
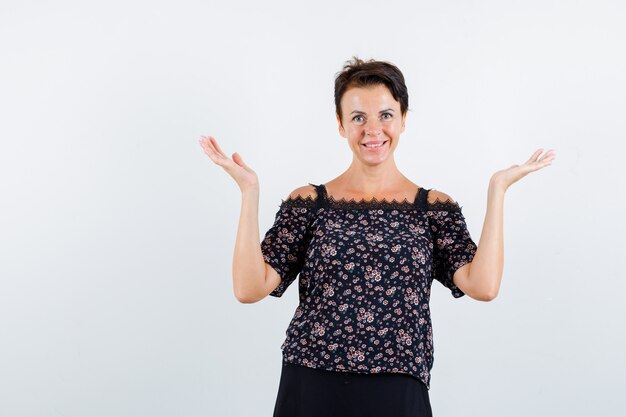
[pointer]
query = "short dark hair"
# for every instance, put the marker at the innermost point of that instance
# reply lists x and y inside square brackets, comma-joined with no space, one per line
[359,73]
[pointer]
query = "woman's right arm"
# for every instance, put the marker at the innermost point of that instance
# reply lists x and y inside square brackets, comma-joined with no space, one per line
[253,279]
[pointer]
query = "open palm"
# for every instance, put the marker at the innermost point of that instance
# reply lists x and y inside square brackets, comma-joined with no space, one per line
[506,177]
[244,175]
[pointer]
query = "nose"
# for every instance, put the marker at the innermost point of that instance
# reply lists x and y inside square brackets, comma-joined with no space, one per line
[373,129]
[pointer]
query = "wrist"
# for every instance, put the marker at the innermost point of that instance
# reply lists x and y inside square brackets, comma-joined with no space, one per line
[496,186]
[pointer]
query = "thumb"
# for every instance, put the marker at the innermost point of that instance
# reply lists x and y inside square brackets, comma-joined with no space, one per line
[239,160]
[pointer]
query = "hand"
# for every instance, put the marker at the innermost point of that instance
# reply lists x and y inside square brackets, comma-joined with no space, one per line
[506,177]
[245,177]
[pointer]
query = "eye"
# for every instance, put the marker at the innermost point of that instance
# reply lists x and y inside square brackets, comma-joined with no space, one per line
[387,114]
[357,119]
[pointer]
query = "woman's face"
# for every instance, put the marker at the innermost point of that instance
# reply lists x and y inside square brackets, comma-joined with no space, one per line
[371,115]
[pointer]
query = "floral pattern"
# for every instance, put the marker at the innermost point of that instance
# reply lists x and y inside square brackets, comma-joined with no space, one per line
[366,270]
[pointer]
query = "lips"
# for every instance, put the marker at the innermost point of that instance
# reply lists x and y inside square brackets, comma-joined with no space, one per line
[374,144]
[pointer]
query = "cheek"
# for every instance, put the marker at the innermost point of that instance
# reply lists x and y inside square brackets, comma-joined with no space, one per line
[355,132]
[393,128]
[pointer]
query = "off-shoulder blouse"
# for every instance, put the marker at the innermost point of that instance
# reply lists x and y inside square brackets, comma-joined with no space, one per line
[366,269]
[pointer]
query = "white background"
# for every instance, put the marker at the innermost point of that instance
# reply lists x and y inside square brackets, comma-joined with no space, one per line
[117,231]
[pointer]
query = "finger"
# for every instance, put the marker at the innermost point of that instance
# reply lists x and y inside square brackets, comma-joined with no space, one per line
[239,160]
[205,139]
[215,156]
[549,155]
[537,154]
[538,165]
[215,144]
[211,154]
[211,145]
[530,160]
[225,163]
[534,156]
[208,149]
[204,142]
[208,143]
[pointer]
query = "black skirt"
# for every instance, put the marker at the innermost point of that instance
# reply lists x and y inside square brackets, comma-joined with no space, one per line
[310,392]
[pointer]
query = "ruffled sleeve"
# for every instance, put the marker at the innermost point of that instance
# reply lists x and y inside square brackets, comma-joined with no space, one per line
[285,243]
[453,245]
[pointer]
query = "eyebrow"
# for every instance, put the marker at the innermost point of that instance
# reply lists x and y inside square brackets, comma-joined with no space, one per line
[362,112]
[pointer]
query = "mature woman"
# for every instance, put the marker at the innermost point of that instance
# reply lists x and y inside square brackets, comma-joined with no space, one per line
[367,246]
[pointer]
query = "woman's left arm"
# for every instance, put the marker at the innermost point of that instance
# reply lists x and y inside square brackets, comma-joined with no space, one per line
[484,274]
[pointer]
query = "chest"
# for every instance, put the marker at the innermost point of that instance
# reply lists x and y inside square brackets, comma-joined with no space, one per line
[374,237]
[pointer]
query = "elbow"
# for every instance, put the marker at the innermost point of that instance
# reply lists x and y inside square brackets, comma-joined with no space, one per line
[246,291]
[245,296]
[488,295]
[482,291]
[245,299]
[484,294]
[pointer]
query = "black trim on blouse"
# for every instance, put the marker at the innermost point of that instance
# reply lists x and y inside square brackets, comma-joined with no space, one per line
[323,200]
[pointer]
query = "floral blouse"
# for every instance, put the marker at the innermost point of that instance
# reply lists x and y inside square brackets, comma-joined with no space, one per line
[366,269]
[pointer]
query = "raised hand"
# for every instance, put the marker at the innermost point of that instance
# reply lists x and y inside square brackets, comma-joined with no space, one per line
[506,177]
[245,177]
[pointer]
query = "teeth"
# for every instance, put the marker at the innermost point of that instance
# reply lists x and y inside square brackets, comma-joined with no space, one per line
[375,146]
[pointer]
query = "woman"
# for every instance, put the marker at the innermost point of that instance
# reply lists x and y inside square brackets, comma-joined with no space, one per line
[367,245]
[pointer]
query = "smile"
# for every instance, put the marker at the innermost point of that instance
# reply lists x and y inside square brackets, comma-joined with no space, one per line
[375,146]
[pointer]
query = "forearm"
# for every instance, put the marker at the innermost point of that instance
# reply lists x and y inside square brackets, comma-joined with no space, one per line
[248,262]
[488,263]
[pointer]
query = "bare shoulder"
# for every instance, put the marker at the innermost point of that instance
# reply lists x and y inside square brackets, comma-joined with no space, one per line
[434,196]
[304,192]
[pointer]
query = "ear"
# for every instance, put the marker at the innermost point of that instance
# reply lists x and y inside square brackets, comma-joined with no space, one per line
[403,122]
[342,131]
